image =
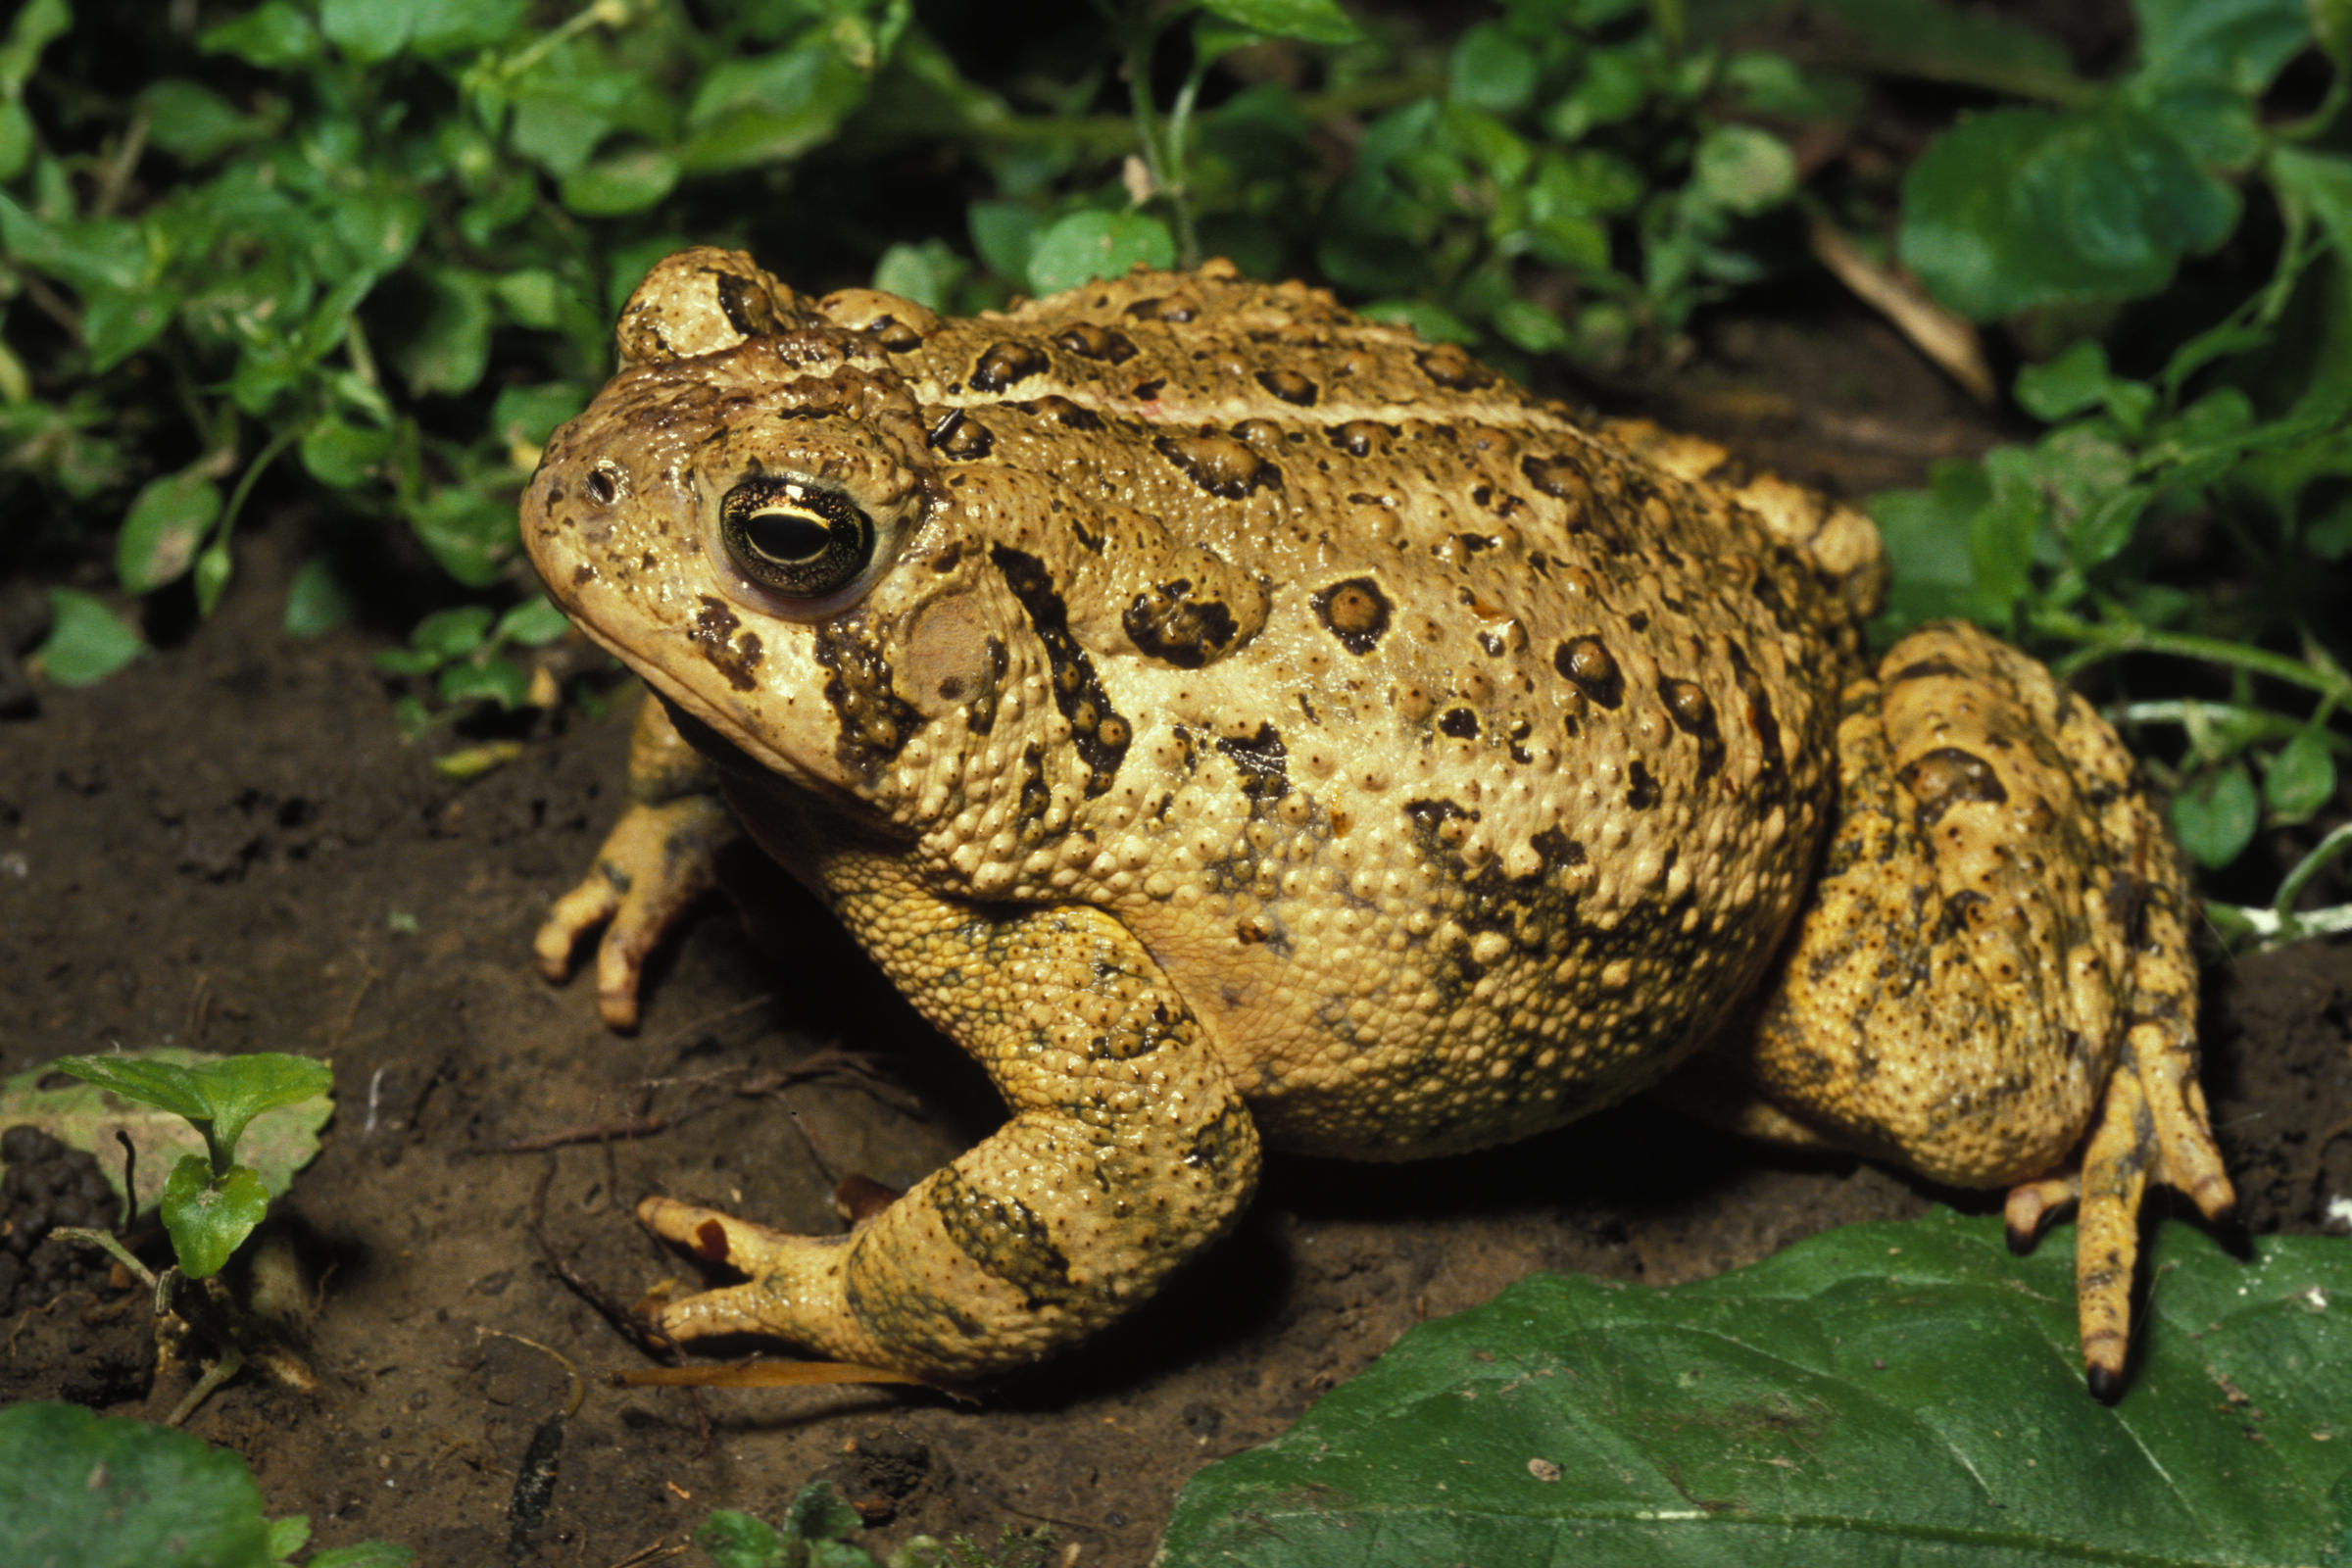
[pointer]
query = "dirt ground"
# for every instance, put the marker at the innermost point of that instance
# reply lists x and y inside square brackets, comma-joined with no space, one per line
[230,847]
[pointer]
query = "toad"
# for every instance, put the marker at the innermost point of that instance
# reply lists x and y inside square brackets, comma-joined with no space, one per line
[1239,724]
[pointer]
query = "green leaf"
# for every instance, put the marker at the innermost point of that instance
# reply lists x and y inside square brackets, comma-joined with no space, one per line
[1530,328]
[448,348]
[165,1085]
[1492,71]
[273,35]
[739,1541]
[1744,170]
[527,415]
[1088,245]
[277,1143]
[213,566]
[770,109]
[1882,1394]
[2236,44]
[315,600]
[368,30]
[341,454]
[2075,380]
[621,184]
[1308,20]
[2300,780]
[925,273]
[192,122]
[225,1093]
[496,680]
[38,24]
[2001,535]
[86,642]
[209,1219]
[467,532]
[2023,207]
[75,1490]
[161,533]
[820,1512]
[447,634]
[289,1534]
[1003,233]
[1927,537]
[533,624]
[2331,28]
[364,1555]
[2215,818]
[1616,83]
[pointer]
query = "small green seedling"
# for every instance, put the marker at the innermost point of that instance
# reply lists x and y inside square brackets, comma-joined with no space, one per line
[210,1203]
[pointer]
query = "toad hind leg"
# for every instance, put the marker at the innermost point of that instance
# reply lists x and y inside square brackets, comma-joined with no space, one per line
[1993,983]
[1128,1152]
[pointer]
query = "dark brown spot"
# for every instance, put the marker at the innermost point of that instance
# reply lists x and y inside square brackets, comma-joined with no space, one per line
[893,335]
[1945,778]
[1558,849]
[1356,611]
[1262,763]
[1175,308]
[1091,342]
[959,436]
[1772,769]
[1005,1237]
[1218,463]
[1458,722]
[1923,669]
[1060,411]
[1360,438]
[1170,623]
[875,720]
[1451,366]
[1147,391]
[747,308]
[713,633]
[1289,386]
[1097,729]
[1002,363]
[1642,790]
[1694,713]
[1587,662]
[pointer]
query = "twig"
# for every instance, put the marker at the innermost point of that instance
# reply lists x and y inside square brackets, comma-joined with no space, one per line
[1945,338]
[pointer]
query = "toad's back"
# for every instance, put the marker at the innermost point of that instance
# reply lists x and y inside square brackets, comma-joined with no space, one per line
[1481,760]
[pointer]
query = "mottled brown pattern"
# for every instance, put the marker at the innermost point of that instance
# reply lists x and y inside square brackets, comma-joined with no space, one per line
[1256,723]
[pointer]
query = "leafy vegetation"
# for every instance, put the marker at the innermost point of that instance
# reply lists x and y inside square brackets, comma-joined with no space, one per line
[820,1530]
[211,1203]
[98,1494]
[359,257]
[1880,1393]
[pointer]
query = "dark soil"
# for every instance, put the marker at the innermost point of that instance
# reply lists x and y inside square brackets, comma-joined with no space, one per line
[230,847]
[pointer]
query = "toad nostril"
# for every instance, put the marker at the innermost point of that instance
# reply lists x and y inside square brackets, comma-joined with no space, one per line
[599,487]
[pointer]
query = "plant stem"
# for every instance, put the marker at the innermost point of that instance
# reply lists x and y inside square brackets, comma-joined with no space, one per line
[2101,642]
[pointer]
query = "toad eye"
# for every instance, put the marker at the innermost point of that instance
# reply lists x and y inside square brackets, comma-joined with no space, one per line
[793,538]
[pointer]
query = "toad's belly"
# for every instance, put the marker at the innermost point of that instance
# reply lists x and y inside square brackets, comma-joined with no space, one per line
[1430,1038]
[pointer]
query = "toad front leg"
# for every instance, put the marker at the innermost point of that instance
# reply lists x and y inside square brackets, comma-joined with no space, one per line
[1993,983]
[659,858]
[1127,1153]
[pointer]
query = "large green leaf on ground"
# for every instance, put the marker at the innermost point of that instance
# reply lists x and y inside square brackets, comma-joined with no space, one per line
[89,1493]
[1892,1392]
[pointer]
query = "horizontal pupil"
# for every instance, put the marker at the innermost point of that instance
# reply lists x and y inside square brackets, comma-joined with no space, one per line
[787,536]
